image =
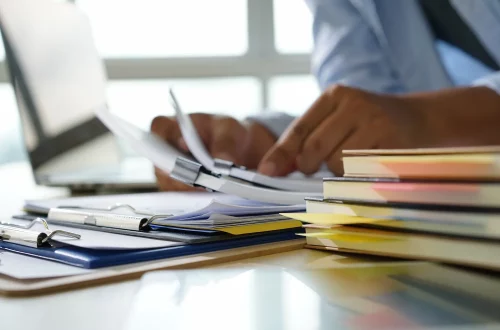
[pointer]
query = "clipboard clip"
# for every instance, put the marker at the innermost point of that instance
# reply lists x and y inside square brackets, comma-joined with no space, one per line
[24,235]
[139,220]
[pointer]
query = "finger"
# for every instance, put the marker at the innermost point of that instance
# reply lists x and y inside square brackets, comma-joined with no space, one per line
[203,123]
[327,137]
[167,183]
[283,154]
[228,139]
[365,137]
[167,129]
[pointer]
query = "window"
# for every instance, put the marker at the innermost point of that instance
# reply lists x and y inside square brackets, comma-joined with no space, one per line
[292,94]
[292,24]
[139,101]
[167,28]
[234,57]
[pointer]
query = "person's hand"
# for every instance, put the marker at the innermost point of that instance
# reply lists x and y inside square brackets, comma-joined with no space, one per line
[243,143]
[348,118]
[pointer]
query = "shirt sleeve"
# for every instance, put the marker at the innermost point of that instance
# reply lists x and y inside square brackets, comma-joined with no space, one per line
[274,121]
[492,81]
[347,50]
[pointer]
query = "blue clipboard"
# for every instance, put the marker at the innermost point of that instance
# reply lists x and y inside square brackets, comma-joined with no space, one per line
[92,258]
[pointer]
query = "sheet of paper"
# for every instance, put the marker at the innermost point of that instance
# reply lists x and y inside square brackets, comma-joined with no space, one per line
[163,156]
[158,202]
[24,267]
[94,239]
[180,205]
[197,148]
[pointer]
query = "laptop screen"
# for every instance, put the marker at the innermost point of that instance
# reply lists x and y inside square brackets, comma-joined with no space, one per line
[58,78]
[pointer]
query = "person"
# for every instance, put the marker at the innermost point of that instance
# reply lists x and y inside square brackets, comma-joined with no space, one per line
[394,74]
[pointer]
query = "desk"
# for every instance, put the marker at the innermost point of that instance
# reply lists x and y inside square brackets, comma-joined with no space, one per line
[96,307]
[105,306]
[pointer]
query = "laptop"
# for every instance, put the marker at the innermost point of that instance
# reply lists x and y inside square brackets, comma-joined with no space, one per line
[59,80]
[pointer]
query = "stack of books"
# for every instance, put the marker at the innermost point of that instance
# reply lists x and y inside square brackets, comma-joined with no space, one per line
[430,204]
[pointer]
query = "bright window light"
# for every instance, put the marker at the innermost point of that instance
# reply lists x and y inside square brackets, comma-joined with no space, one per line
[168,28]
[293,26]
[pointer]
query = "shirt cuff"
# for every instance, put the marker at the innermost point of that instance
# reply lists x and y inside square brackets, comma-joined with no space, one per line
[492,81]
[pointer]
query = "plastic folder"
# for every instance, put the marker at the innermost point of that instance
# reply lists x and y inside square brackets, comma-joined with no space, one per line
[91,258]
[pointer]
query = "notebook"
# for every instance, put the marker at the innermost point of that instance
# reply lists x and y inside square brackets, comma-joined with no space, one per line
[472,166]
[469,252]
[478,222]
[478,194]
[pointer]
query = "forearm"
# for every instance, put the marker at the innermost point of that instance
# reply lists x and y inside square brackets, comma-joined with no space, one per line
[460,116]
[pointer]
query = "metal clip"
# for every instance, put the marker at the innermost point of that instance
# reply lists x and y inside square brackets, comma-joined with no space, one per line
[223,166]
[186,171]
[24,235]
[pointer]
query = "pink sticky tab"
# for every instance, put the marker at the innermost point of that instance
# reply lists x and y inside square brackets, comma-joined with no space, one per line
[426,187]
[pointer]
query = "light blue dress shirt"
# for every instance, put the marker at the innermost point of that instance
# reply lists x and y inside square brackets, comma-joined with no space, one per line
[386,46]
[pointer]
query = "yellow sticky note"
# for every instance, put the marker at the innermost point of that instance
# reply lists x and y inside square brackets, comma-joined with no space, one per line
[350,238]
[261,227]
[250,229]
[329,219]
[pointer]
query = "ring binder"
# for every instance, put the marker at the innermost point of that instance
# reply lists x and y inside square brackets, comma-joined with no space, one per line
[24,235]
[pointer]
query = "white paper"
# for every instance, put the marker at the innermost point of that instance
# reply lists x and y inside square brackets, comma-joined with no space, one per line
[165,156]
[183,206]
[189,133]
[93,239]
[157,202]
[23,267]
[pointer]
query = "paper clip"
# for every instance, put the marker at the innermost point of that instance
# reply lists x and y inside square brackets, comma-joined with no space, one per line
[140,220]
[24,235]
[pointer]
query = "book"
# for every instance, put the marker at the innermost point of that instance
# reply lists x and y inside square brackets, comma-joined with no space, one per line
[470,252]
[455,193]
[474,166]
[424,151]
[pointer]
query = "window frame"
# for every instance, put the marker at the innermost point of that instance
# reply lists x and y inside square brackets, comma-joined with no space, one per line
[261,61]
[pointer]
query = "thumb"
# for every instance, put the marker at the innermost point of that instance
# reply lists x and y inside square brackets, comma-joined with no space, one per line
[277,162]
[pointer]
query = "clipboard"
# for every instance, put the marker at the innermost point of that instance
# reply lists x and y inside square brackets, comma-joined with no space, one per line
[17,288]
[89,258]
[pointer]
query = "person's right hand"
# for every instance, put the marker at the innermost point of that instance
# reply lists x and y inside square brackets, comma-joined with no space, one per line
[243,143]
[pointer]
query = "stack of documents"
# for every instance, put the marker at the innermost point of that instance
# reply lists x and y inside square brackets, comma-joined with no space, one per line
[432,204]
[102,231]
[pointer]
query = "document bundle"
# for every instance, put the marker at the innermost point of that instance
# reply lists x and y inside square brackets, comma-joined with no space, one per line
[242,209]
[432,204]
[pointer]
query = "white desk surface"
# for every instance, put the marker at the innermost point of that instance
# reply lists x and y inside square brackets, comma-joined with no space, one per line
[105,306]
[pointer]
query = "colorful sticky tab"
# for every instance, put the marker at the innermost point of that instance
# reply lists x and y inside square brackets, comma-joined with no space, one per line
[329,219]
